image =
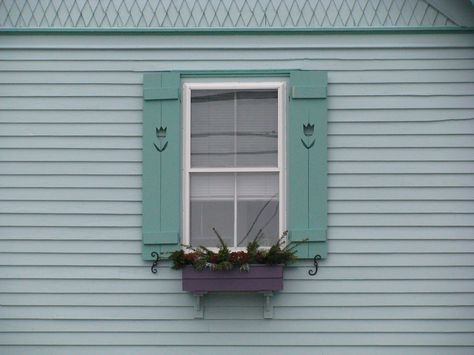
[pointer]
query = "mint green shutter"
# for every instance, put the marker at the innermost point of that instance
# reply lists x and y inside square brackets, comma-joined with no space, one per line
[307,162]
[161,170]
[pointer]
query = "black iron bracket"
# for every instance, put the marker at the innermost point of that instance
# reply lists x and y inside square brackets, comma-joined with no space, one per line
[154,267]
[316,265]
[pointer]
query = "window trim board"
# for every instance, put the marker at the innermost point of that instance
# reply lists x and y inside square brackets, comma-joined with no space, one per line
[218,83]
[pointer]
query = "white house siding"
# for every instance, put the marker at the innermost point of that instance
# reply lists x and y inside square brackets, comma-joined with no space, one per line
[399,276]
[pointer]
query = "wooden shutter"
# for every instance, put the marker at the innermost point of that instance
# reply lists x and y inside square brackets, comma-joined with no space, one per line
[161,163]
[307,163]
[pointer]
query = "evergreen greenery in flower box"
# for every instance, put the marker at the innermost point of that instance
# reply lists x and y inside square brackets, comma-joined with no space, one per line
[226,260]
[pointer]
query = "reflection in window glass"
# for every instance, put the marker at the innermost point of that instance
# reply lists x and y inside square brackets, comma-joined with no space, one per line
[234,128]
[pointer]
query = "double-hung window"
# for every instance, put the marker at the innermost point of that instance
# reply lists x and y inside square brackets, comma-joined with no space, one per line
[241,152]
[233,177]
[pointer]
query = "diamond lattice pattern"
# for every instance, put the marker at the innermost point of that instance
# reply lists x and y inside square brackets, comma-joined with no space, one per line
[219,13]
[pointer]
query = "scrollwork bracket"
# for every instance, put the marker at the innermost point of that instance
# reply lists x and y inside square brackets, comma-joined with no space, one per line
[316,265]
[154,267]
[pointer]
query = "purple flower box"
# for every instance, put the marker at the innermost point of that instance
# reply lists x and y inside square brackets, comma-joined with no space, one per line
[260,278]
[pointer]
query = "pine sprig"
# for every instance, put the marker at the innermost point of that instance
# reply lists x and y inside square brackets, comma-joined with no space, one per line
[225,259]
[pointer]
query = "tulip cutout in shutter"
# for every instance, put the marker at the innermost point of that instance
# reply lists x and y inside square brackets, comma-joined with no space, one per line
[161,135]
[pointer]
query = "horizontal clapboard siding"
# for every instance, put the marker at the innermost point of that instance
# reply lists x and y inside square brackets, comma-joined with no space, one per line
[399,276]
[235,350]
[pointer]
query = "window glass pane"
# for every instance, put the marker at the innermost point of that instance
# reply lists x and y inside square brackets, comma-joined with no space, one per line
[212,128]
[212,205]
[234,128]
[257,208]
[257,128]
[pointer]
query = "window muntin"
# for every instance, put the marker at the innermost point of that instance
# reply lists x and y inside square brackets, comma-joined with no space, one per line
[233,162]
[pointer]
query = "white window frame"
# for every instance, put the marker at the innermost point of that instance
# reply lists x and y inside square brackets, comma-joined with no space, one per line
[187,87]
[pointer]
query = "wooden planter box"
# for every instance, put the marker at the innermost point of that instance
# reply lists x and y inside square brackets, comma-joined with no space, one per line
[260,278]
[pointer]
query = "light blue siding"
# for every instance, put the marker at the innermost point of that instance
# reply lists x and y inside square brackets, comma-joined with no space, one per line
[399,275]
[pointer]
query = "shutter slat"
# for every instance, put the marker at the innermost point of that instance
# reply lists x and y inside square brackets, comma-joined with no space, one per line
[160,93]
[309,92]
